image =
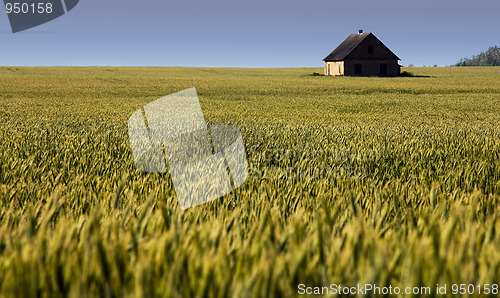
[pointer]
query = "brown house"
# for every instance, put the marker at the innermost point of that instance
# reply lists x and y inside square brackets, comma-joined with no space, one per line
[362,54]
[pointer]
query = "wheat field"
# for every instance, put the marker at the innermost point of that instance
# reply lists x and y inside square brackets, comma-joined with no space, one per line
[386,181]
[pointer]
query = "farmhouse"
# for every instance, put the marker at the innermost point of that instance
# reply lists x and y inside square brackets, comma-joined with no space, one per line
[362,54]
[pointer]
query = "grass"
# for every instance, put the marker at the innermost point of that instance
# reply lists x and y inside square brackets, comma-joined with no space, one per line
[77,218]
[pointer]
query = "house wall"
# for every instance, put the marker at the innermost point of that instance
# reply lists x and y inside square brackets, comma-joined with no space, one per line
[336,68]
[379,50]
[372,67]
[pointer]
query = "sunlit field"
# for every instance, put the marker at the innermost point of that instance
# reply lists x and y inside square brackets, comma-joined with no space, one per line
[386,181]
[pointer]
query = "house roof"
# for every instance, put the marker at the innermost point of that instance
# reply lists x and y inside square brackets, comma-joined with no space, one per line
[348,45]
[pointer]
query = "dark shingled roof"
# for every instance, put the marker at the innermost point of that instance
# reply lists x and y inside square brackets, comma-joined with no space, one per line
[347,46]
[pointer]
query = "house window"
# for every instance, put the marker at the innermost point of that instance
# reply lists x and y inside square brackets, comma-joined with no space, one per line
[358,69]
[383,69]
[370,49]
[328,72]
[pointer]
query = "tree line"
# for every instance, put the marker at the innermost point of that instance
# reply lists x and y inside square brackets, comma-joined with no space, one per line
[488,58]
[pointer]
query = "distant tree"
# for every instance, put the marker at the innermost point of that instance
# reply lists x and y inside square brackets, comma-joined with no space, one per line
[488,58]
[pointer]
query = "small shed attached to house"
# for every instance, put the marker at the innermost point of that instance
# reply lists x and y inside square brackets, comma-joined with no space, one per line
[362,54]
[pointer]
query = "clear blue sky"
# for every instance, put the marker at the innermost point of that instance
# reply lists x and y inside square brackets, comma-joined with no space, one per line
[252,33]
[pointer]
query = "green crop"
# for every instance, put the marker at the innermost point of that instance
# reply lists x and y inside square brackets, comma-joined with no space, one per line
[77,219]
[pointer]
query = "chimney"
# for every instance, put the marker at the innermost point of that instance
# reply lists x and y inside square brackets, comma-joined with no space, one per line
[360,31]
